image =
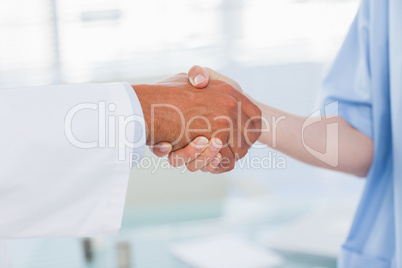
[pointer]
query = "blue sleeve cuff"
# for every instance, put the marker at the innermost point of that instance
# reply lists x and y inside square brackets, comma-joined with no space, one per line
[358,115]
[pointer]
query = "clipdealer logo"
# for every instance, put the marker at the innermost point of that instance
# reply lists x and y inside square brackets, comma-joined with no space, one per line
[111,129]
[330,156]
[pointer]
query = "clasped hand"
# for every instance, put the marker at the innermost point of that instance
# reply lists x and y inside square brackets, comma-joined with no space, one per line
[209,128]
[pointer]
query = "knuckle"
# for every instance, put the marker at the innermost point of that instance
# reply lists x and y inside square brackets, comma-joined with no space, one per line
[171,158]
[210,168]
[175,160]
[242,154]
[225,124]
[229,102]
[191,168]
[255,136]
[195,68]
[188,152]
[231,166]
[217,171]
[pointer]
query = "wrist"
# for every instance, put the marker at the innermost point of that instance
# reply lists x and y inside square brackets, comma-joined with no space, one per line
[161,120]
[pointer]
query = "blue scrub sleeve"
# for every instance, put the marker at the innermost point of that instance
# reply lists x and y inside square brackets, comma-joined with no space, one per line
[348,80]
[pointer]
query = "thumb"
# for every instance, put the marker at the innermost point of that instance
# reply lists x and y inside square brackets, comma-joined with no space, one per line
[198,76]
[161,149]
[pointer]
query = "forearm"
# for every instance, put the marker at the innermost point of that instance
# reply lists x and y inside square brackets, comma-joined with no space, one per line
[329,143]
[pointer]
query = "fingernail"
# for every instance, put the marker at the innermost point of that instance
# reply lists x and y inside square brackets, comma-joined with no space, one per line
[216,145]
[164,148]
[201,143]
[199,79]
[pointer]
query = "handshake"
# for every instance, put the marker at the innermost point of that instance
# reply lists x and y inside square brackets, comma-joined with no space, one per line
[202,120]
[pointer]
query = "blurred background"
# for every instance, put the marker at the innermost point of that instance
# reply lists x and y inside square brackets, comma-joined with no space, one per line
[271,211]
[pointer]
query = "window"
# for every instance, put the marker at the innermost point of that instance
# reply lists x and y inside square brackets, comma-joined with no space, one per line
[72,41]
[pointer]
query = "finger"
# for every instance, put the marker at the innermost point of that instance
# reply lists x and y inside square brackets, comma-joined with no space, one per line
[214,75]
[161,149]
[211,166]
[227,162]
[206,157]
[247,105]
[240,142]
[198,76]
[241,135]
[188,153]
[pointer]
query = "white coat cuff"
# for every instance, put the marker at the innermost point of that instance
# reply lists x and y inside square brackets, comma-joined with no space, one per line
[140,136]
[118,187]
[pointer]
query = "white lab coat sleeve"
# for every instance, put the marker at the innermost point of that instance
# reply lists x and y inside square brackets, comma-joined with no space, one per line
[65,157]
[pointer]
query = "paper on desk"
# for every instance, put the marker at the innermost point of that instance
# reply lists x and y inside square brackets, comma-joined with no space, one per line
[224,251]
